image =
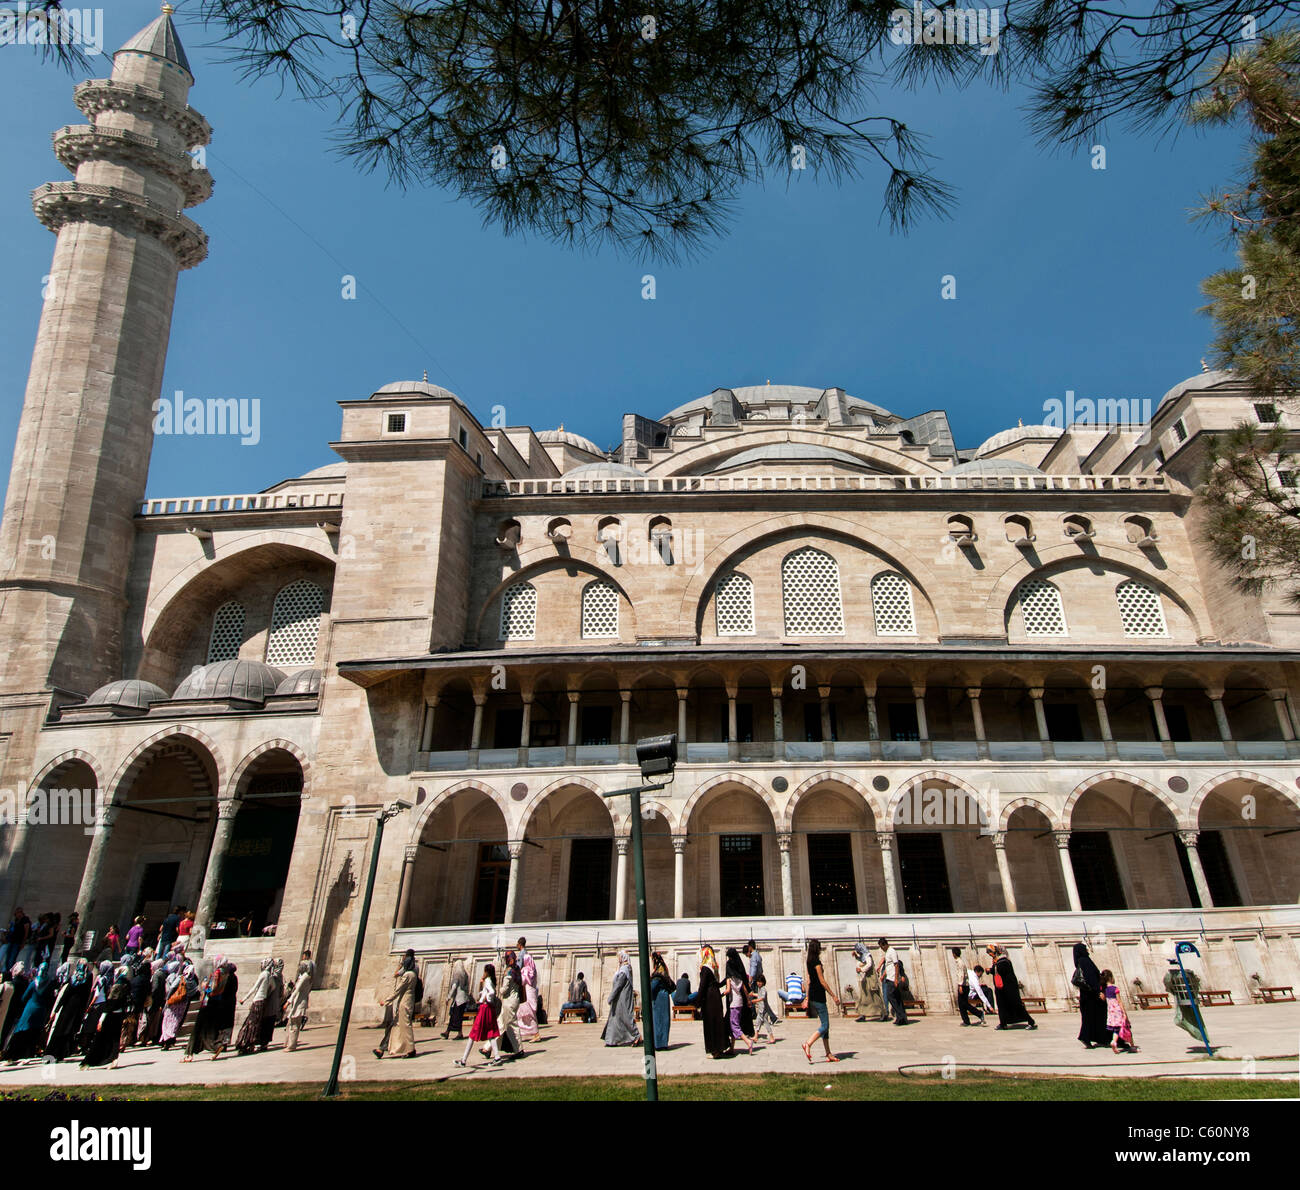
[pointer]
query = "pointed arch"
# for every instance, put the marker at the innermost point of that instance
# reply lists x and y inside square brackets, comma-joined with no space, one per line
[441,798]
[50,767]
[535,802]
[1210,784]
[1067,811]
[1028,803]
[725,779]
[827,777]
[141,754]
[231,789]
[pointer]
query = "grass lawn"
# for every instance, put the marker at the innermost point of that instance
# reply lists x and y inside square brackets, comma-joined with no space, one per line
[965,1087]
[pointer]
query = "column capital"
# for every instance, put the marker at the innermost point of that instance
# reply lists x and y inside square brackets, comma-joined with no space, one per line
[1154,692]
[625,695]
[1277,695]
[973,693]
[783,840]
[527,696]
[918,689]
[1097,695]
[823,691]
[480,698]
[885,840]
[1062,839]
[411,852]
[682,692]
[1036,692]
[1188,839]
[227,808]
[1000,840]
[778,691]
[622,843]
[1214,693]
[679,844]
[574,695]
[516,848]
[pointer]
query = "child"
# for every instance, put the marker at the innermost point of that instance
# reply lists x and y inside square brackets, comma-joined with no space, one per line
[1121,1028]
[763,1013]
[485,1022]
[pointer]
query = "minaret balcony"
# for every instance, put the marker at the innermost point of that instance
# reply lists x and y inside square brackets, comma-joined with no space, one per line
[76,144]
[58,203]
[102,95]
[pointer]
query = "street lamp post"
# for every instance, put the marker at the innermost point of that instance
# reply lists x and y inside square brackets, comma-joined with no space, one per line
[389,811]
[657,757]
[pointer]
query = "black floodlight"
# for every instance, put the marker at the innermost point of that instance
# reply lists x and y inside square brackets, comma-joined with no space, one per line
[657,755]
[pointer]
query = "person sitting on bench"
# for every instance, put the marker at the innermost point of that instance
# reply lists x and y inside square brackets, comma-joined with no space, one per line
[793,993]
[580,997]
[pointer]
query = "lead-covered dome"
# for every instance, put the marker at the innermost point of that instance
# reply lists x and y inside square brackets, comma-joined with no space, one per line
[606,470]
[1005,438]
[994,467]
[563,437]
[415,389]
[249,681]
[129,692]
[305,681]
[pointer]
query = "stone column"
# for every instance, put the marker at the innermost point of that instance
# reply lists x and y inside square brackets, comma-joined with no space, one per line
[1067,870]
[824,694]
[1040,717]
[1156,695]
[1103,722]
[886,840]
[731,714]
[525,729]
[94,868]
[426,737]
[408,874]
[1189,841]
[620,879]
[227,808]
[1283,719]
[977,717]
[1215,695]
[625,717]
[512,888]
[682,692]
[679,876]
[873,720]
[1004,870]
[778,718]
[922,726]
[783,840]
[573,718]
[477,733]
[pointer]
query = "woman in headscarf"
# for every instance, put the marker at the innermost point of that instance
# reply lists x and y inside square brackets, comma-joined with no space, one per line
[100,984]
[178,991]
[872,1005]
[528,1005]
[661,999]
[457,998]
[218,1001]
[717,1034]
[19,979]
[250,1030]
[274,1004]
[139,977]
[484,1027]
[510,992]
[297,1010]
[106,1044]
[69,1011]
[620,1026]
[740,1012]
[401,1037]
[1006,991]
[1092,999]
[151,1019]
[6,999]
[25,1041]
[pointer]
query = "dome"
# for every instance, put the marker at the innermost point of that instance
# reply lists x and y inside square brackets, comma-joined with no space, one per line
[753,395]
[605,470]
[565,437]
[415,389]
[305,681]
[160,40]
[131,692]
[1016,434]
[994,467]
[789,452]
[1199,382]
[251,681]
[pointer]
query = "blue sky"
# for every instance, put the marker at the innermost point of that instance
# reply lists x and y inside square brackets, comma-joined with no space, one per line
[1068,278]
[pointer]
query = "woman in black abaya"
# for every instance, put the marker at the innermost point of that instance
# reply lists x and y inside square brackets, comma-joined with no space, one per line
[1092,999]
[1006,992]
[106,1044]
[717,1032]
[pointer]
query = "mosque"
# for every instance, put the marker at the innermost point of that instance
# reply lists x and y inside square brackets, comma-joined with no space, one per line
[954,696]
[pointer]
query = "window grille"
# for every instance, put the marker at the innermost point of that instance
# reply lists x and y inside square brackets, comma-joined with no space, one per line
[1040,605]
[599,610]
[734,606]
[227,632]
[891,604]
[519,612]
[810,584]
[295,624]
[1140,609]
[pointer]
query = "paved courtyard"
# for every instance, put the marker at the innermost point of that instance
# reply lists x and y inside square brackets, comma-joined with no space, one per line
[1258,1032]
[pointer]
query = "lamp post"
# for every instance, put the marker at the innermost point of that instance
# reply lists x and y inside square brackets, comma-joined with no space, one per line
[656,757]
[382,816]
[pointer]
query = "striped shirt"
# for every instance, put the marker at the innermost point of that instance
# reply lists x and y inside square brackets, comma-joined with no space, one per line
[794,986]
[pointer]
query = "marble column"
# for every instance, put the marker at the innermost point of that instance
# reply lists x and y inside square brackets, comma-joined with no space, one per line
[227,808]
[977,718]
[620,879]
[624,717]
[512,888]
[1156,695]
[824,695]
[778,718]
[408,877]
[1004,870]
[94,868]
[1067,870]
[783,840]
[886,840]
[1189,841]
[681,720]
[1283,719]
[1215,695]
[1103,722]
[426,736]
[873,721]
[477,733]
[526,727]
[1040,718]
[679,876]
[922,726]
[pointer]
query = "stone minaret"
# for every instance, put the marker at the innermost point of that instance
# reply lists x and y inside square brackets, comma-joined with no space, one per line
[82,454]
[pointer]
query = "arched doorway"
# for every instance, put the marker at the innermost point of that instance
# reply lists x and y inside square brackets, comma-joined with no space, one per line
[1036,878]
[834,830]
[734,856]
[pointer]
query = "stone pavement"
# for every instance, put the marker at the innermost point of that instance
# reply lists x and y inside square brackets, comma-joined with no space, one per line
[1245,1031]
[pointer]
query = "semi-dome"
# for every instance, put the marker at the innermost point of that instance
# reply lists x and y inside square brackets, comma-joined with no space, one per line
[129,692]
[605,470]
[251,681]
[784,452]
[564,437]
[1005,438]
[305,681]
[994,467]
[414,389]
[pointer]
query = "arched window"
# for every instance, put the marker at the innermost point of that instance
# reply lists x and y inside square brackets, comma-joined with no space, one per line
[1140,609]
[891,604]
[733,605]
[810,591]
[519,612]
[227,632]
[599,610]
[1040,605]
[295,624]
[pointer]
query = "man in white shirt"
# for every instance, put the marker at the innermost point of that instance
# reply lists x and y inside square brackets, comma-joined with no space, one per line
[889,988]
[970,996]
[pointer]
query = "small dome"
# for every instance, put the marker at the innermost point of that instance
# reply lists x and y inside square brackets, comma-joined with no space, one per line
[251,681]
[130,692]
[994,467]
[305,681]
[414,389]
[1015,434]
[605,470]
[1199,382]
[568,438]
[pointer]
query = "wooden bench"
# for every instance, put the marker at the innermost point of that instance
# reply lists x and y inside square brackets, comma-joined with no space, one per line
[570,1015]
[1035,1004]
[848,1002]
[1210,997]
[683,1012]
[915,1007]
[1146,1000]
[1277,995]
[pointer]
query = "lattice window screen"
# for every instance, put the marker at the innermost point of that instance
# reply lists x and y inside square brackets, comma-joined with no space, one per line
[227,632]
[1140,609]
[599,610]
[295,624]
[734,606]
[810,586]
[891,604]
[519,612]
[1040,604]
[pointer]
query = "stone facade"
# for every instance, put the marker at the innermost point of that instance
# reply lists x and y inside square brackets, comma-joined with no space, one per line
[955,696]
